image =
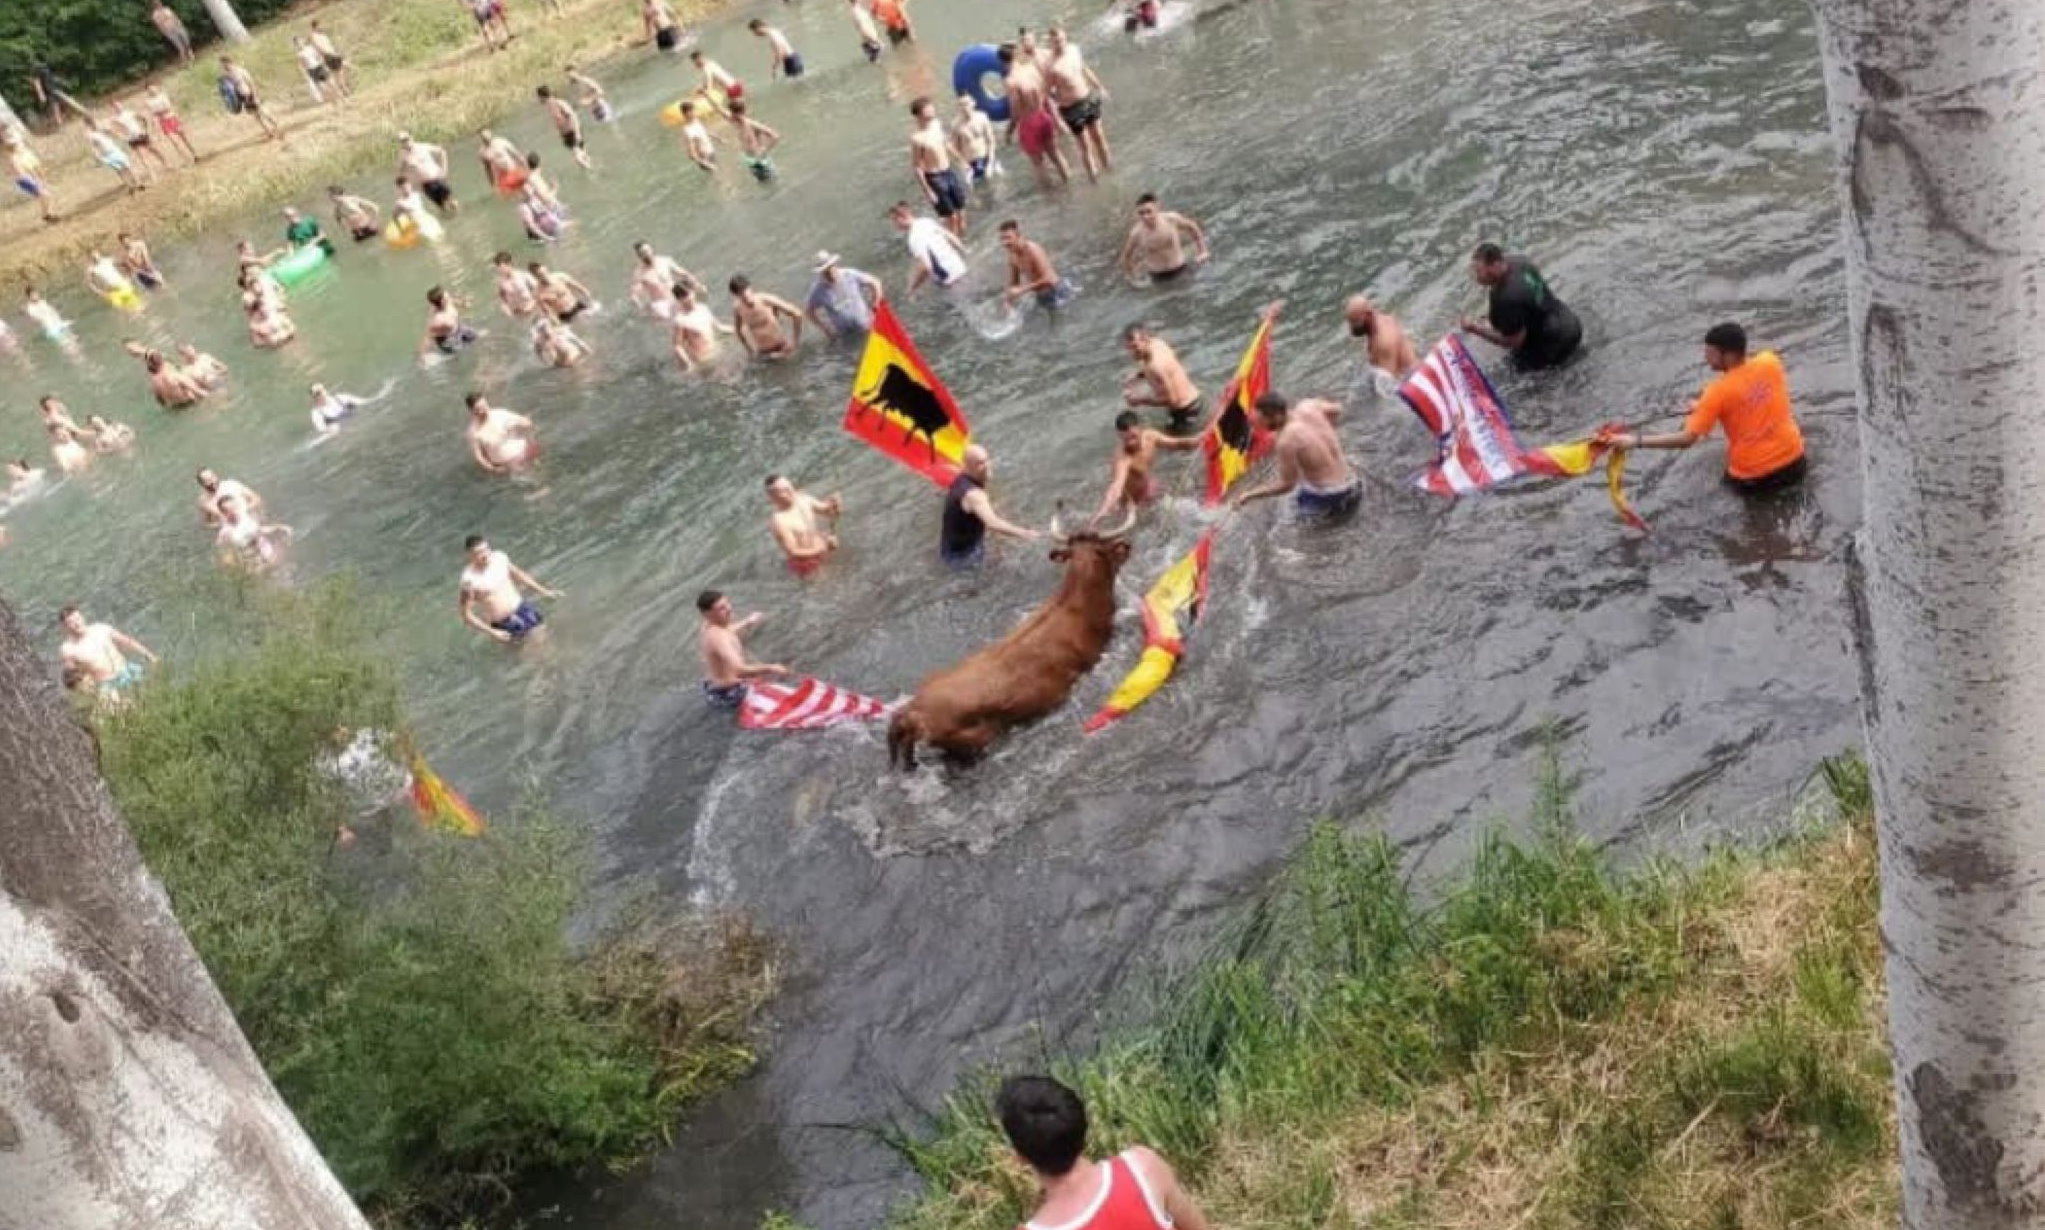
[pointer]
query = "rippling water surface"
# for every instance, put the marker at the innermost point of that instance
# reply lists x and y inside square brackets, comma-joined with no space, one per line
[1665,164]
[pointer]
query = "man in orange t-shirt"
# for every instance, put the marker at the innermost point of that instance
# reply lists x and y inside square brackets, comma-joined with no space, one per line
[1750,400]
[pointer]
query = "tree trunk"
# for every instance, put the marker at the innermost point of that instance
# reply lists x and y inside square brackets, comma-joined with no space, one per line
[227,21]
[1940,123]
[128,1097]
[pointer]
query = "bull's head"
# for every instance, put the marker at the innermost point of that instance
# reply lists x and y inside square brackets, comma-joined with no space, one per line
[1113,544]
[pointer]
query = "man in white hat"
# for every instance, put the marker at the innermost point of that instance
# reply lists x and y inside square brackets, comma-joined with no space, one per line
[842,299]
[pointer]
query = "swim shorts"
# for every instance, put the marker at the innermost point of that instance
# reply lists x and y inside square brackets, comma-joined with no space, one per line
[898,35]
[572,140]
[319,75]
[666,37]
[734,91]
[128,676]
[363,232]
[948,195]
[791,65]
[1082,113]
[170,124]
[571,313]
[1057,296]
[806,567]
[1170,275]
[1184,417]
[453,342]
[1311,501]
[437,191]
[335,63]
[1038,133]
[762,168]
[980,170]
[730,696]
[521,622]
[872,50]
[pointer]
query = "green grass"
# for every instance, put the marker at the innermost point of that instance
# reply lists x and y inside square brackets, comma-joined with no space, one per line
[415,998]
[1545,1042]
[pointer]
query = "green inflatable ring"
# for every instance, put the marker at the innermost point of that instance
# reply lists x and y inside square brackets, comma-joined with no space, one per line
[298,266]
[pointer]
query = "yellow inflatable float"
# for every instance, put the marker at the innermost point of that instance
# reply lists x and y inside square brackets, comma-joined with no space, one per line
[123,298]
[671,115]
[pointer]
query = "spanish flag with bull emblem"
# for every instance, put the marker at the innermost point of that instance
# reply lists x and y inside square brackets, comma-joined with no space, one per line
[901,408]
[1233,442]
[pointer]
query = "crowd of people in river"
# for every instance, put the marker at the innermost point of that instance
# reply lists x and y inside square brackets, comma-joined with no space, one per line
[1057,111]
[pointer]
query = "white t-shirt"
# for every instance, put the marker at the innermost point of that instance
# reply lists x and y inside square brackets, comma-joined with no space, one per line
[937,250]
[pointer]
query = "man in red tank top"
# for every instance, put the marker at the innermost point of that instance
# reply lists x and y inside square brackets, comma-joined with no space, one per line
[1134,1190]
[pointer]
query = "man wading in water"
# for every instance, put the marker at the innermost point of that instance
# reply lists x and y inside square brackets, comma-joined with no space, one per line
[1526,317]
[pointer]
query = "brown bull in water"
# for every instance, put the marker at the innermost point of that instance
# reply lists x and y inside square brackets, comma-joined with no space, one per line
[1029,672]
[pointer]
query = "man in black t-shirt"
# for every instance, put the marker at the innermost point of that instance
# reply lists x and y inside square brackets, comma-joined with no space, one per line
[1526,317]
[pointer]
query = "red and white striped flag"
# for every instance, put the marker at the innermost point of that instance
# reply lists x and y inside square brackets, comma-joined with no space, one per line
[807,704]
[1455,400]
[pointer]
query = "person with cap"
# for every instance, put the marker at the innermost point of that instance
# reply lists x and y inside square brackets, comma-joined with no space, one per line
[842,300]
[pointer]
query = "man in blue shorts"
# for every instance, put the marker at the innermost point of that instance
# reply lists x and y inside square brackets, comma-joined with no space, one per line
[1311,465]
[726,668]
[493,599]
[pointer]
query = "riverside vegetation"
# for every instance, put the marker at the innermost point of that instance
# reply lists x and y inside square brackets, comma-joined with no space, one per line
[416,998]
[1551,1043]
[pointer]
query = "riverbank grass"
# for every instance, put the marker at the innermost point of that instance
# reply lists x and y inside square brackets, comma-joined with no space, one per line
[415,995]
[1553,1043]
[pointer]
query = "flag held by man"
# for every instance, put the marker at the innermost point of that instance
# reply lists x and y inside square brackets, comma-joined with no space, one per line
[901,408]
[806,704]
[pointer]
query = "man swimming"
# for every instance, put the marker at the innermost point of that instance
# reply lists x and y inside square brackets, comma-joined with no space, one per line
[1157,242]
[719,643]
[500,441]
[213,489]
[491,597]
[754,318]
[328,408]
[1311,465]
[1136,448]
[930,161]
[795,524]
[1030,272]
[695,329]
[100,651]
[1079,95]
[1385,343]
[245,542]
[1158,369]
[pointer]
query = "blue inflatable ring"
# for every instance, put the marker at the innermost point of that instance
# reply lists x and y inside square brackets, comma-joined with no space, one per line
[969,75]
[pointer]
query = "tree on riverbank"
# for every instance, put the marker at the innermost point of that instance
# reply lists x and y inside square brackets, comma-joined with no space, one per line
[128,1095]
[1941,131]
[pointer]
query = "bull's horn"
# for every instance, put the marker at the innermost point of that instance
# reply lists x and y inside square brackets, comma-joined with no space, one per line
[1128,523]
[1057,533]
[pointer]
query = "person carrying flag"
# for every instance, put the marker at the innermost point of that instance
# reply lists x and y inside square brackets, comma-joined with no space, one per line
[1311,464]
[727,670]
[1750,400]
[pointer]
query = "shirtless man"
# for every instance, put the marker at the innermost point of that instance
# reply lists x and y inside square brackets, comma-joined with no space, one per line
[55,413]
[695,329]
[1311,464]
[251,97]
[426,165]
[972,141]
[329,408]
[786,61]
[108,437]
[869,34]
[1156,244]
[517,290]
[1030,272]
[67,448]
[567,125]
[563,297]
[756,141]
[330,56]
[501,441]
[161,109]
[1030,122]
[173,389]
[27,167]
[1079,95]
[1129,471]
[445,331]
[794,524]
[356,215]
[753,319]
[213,488]
[243,539]
[492,594]
[99,651]
[209,372]
[1158,369]
[500,158]
[138,262]
[592,97]
[930,161]
[1384,338]
[658,20]
[726,668]
[715,83]
[654,279]
[696,139]
[557,345]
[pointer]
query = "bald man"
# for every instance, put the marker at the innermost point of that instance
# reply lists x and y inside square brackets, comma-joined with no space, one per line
[969,513]
[1384,338]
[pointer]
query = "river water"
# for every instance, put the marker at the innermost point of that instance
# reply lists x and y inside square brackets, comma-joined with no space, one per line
[1666,165]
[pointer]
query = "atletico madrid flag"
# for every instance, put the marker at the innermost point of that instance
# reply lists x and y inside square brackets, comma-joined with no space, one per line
[1234,440]
[900,407]
[807,704]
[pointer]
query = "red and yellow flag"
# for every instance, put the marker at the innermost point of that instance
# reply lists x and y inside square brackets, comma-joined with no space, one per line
[439,804]
[1234,440]
[900,407]
[1578,456]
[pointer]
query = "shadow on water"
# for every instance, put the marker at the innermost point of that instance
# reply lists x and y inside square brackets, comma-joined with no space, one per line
[1668,168]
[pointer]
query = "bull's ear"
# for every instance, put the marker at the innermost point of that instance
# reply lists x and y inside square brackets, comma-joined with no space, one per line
[1121,550]
[1060,555]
